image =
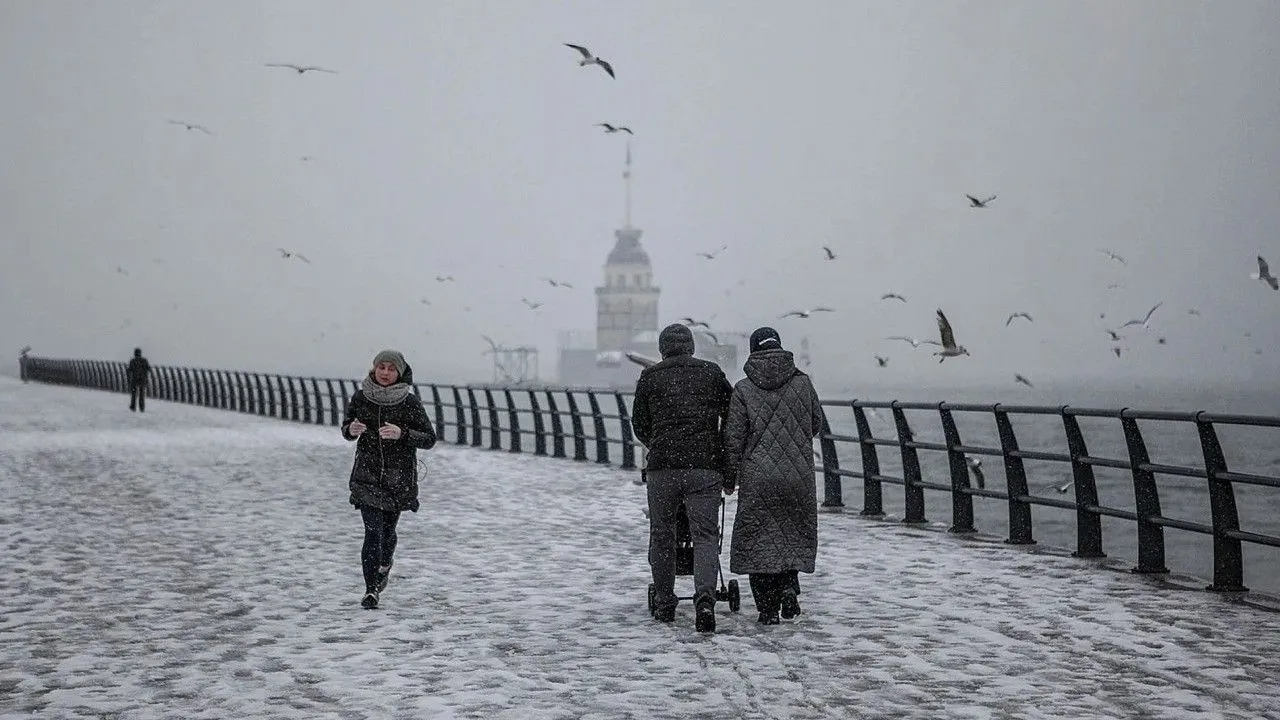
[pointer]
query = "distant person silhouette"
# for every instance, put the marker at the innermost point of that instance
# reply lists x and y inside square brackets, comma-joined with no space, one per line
[138,372]
[22,363]
[388,423]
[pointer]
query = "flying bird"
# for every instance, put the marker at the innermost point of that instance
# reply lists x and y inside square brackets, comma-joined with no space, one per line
[712,255]
[1144,322]
[1116,350]
[609,129]
[806,313]
[557,283]
[531,305]
[1112,255]
[830,254]
[300,69]
[191,126]
[589,59]
[892,296]
[640,359]
[1264,274]
[1115,336]
[1022,379]
[711,335]
[975,467]
[881,360]
[691,323]
[1161,341]
[949,346]
[1193,311]
[122,271]
[1114,286]
[976,203]
[424,301]
[1017,315]
[286,254]
[914,342]
[493,346]
[444,278]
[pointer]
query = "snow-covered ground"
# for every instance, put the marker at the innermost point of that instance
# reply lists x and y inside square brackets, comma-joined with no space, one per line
[198,563]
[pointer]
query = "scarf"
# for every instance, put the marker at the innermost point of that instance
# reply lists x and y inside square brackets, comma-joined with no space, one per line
[384,395]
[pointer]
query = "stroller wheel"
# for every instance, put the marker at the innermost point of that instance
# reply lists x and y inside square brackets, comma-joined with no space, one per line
[735,599]
[653,595]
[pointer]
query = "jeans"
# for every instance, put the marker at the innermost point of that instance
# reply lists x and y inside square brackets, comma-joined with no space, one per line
[379,542]
[699,491]
[138,397]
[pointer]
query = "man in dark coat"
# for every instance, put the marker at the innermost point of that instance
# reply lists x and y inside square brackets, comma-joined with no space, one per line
[137,372]
[678,414]
[773,417]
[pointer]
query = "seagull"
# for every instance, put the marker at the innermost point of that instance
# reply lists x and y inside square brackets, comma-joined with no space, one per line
[640,359]
[711,335]
[914,342]
[830,255]
[444,278]
[531,305]
[806,313]
[302,68]
[1161,341]
[712,255]
[1017,315]
[1193,311]
[191,126]
[1114,286]
[306,158]
[424,301]
[609,129]
[949,346]
[975,467]
[690,322]
[1065,486]
[557,283]
[976,203]
[1116,350]
[122,271]
[881,360]
[892,296]
[1264,274]
[1112,255]
[493,346]
[286,254]
[589,59]
[1019,378]
[1115,336]
[1144,322]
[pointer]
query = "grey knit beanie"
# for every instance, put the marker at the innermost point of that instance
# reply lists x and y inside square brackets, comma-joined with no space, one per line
[392,356]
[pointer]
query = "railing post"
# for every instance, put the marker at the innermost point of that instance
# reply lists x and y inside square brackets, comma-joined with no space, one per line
[439,409]
[513,417]
[579,435]
[284,397]
[1146,500]
[597,421]
[1015,474]
[242,391]
[476,429]
[832,490]
[200,384]
[306,400]
[188,387]
[210,400]
[539,427]
[557,427]
[293,396]
[495,429]
[913,494]
[261,407]
[961,499]
[460,413]
[334,420]
[872,491]
[1088,522]
[1228,562]
[628,436]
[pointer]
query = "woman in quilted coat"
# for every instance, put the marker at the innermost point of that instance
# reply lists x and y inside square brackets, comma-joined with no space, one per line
[774,415]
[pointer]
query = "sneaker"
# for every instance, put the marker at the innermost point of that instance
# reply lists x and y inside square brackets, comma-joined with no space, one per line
[790,604]
[383,577]
[705,618]
[665,614]
[768,619]
[370,601]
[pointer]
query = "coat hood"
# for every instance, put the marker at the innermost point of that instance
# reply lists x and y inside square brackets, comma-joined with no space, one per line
[675,339]
[770,369]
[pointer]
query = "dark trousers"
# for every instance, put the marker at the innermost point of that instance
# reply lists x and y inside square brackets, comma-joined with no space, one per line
[379,542]
[767,588]
[138,397]
[699,491]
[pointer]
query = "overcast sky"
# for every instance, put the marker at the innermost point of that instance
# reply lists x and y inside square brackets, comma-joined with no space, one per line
[458,139]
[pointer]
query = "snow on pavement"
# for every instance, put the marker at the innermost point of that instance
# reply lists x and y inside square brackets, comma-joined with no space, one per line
[199,563]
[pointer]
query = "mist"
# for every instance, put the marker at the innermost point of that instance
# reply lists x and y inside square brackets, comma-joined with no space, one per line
[459,140]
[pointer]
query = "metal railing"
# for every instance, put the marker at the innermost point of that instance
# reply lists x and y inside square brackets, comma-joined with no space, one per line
[594,424]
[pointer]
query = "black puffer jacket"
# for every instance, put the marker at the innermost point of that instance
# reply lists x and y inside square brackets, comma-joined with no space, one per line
[385,472]
[680,407]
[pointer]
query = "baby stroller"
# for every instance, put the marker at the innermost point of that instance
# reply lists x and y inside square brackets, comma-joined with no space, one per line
[684,562]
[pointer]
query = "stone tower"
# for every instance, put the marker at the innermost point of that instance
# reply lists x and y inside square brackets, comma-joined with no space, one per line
[627,302]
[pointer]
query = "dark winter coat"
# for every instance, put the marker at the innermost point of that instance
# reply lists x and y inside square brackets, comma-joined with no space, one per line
[385,472]
[773,417]
[138,370]
[680,407]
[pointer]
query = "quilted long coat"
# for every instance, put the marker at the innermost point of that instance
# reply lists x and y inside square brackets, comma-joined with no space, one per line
[774,415]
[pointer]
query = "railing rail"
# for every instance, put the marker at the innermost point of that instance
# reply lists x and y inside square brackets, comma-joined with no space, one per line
[466,413]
